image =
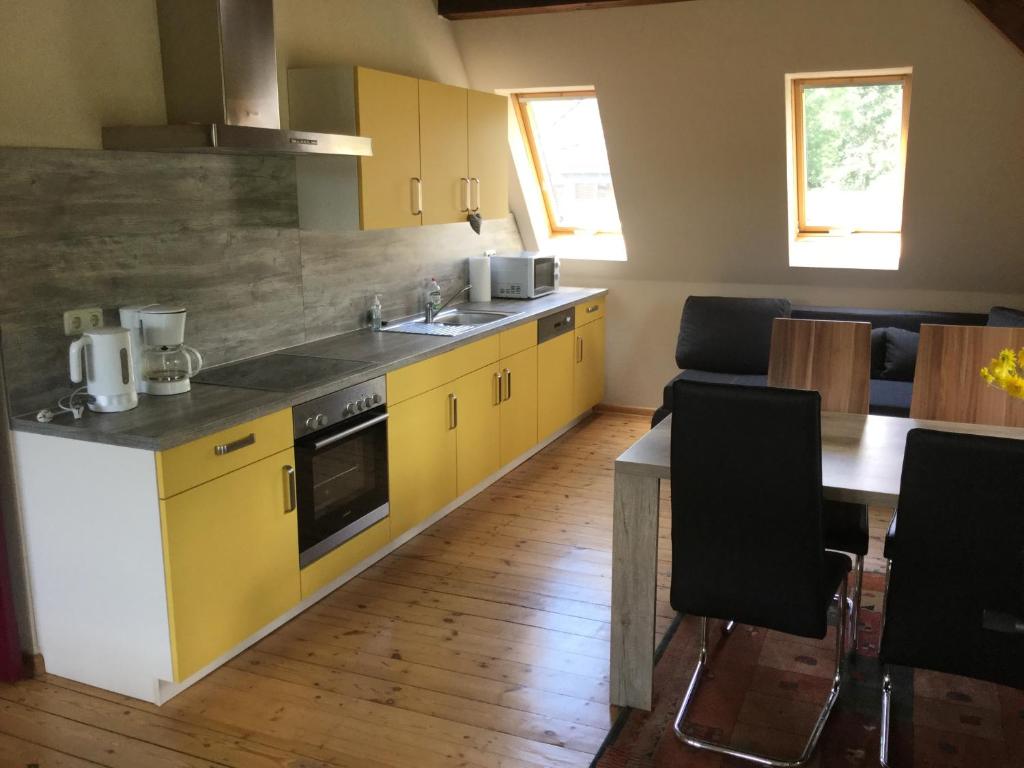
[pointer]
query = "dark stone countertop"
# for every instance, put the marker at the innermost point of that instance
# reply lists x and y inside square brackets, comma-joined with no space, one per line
[159,423]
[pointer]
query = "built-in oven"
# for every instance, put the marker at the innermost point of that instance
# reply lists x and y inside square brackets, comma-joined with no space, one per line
[341,466]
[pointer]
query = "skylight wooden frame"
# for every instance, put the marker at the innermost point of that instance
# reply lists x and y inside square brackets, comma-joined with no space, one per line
[798,85]
[529,140]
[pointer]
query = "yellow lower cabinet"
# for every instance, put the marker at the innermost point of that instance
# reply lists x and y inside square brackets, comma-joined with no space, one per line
[589,371]
[478,423]
[332,565]
[555,396]
[421,457]
[519,404]
[231,559]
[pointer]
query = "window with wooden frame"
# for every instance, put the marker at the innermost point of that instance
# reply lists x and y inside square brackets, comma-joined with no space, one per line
[850,149]
[565,142]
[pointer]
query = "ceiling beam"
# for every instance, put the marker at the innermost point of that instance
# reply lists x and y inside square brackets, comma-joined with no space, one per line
[1007,15]
[478,9]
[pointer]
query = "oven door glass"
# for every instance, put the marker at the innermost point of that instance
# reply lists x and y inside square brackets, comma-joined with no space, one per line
[342,486]
[543,275]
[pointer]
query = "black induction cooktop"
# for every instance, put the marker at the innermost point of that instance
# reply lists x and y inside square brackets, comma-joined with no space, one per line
[279,373]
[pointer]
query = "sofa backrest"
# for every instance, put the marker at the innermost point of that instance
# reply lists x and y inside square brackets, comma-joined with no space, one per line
[727,334]
[908,320]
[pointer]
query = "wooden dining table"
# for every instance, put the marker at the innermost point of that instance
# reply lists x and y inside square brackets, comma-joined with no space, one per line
[861,462]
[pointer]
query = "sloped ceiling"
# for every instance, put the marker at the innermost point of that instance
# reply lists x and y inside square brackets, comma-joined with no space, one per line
[1007,15]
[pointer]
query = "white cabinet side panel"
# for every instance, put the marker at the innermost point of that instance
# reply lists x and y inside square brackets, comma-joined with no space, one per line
[91,520]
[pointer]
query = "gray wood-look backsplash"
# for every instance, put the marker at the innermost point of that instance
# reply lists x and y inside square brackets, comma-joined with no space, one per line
[216,234]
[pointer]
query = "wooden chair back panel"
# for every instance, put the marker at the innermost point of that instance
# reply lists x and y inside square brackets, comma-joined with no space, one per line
[830,356]
[947,383]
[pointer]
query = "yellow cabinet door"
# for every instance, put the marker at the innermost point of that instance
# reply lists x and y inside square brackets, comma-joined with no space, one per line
[589,374]
[519,404]
[478,422]
[421,457]
[488,153]
[555,364]
[231,560]
[443,153]
[387,110]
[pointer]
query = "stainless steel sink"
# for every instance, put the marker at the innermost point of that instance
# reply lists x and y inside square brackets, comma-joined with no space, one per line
[451,322]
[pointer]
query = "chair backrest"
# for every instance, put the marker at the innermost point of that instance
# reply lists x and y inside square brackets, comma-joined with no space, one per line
[832,357]
[746,505]
[961,529]
[947,386]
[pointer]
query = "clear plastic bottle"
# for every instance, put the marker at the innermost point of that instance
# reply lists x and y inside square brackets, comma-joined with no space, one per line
[434,294]
[376,320]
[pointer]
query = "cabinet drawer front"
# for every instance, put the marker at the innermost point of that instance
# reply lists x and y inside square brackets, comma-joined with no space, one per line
[329,567]
[208,457]
[231,560]
[517,339]
[590,310]
[438,370]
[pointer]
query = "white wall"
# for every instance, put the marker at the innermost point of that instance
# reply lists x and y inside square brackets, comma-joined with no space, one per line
[692,99]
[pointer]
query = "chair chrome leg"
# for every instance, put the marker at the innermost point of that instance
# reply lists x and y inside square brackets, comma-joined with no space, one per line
[812,741]
[885,600]
[883,745]
[855,619]
[728,627]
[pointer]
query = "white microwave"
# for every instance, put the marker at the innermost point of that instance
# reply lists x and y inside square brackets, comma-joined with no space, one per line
[524,275]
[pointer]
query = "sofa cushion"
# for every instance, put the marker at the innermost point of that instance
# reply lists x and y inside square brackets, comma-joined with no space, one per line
[726,334]
[891,398]
[900,354]
[1006,317]
[877,352]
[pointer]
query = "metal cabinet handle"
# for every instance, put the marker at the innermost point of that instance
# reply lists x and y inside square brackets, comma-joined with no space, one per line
[508,384]
[225,448]
[293,495]
[497,389]
[466,194]
[476,181]
[593,308]
[579,355]
[416,188]
[453,411]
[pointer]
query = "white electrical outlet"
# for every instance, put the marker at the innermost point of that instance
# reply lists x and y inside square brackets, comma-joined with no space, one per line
[77,321]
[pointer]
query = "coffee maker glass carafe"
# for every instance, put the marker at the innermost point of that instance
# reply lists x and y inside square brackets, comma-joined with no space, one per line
[169,364]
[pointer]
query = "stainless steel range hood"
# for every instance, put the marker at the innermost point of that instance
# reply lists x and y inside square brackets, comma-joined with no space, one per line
[220,85]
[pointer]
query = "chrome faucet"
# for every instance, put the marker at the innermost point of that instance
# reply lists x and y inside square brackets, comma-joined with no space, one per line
[433,312]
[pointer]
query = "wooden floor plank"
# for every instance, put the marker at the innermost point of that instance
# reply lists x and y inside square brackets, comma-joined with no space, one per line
[482,643]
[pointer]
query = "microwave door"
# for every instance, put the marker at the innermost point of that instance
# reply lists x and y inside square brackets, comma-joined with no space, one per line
[543,276]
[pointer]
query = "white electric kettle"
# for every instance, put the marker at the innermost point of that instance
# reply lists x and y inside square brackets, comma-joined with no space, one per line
[108,371]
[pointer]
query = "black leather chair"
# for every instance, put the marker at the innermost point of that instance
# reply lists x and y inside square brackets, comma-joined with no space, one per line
[955,598]
[747,512]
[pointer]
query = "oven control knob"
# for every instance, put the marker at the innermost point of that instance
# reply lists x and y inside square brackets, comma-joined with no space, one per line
[321,420]
[376,399]
[359,405]
[368,402]
[349,409]
[310,423]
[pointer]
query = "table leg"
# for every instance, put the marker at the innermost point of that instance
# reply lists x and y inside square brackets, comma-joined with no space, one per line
[634,589]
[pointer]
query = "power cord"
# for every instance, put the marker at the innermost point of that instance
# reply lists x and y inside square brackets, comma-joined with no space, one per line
[65,405]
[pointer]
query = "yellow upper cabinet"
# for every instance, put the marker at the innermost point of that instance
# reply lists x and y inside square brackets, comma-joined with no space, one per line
[231,560]
[388,111]
[588,377]
[488,154]
[444,153]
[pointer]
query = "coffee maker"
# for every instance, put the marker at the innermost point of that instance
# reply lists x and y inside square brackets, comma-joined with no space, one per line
[108,371]
[164,365]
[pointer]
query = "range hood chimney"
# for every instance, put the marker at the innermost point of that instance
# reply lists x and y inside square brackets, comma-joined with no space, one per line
[220,85]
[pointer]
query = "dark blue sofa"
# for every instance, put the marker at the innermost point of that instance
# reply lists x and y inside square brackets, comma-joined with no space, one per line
[727,340]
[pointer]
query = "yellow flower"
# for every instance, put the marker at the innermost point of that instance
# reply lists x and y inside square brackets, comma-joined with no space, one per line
[1002,373]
